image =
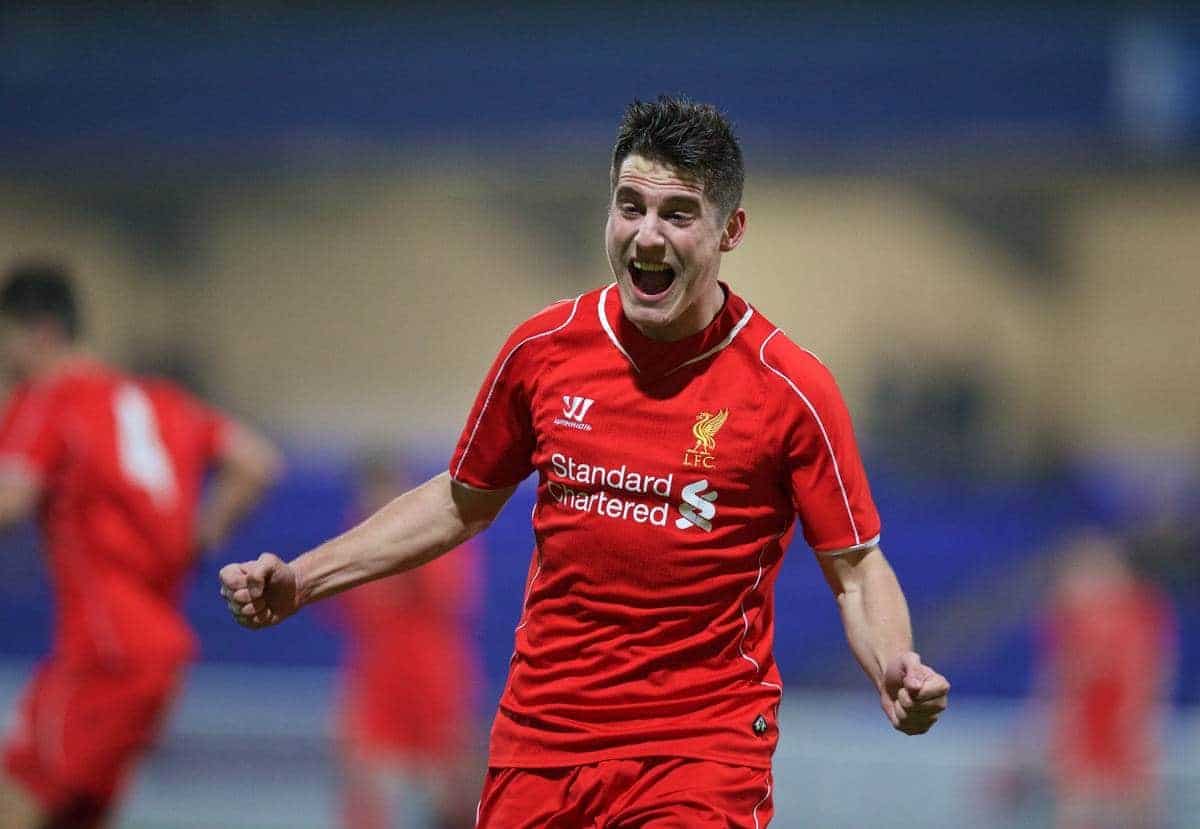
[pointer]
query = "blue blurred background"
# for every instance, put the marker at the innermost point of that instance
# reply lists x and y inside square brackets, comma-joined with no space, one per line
[328,218]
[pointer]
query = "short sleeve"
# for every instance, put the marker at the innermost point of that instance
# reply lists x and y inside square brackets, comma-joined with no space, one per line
[495,449]
[216,429]
[30,441]
[825,473]
[210,428]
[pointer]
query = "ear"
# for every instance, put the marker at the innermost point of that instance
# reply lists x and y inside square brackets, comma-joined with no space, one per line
[735,230]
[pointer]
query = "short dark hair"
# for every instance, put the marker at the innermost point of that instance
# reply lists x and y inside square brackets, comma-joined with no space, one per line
[694,138]
[35,291]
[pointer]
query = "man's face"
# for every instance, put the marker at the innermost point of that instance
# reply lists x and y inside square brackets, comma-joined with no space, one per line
[664,240]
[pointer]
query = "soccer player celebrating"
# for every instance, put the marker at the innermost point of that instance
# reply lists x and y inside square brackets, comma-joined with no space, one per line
[676,435]
[113,467]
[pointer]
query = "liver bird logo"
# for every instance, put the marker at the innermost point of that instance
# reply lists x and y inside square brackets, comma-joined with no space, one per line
[705,430]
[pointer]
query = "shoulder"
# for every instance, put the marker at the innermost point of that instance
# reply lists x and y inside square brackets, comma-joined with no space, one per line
[541,328]
[791,366]
[83,384]
[165,393]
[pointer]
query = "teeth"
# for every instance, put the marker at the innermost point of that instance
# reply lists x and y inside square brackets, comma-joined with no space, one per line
[650,266]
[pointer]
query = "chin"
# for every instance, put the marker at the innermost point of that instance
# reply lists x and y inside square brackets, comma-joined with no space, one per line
[657,320]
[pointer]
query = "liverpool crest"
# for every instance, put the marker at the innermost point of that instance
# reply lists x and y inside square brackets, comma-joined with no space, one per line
[705,431]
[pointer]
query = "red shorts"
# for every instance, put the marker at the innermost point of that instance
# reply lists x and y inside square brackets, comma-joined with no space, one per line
[79,729]
[647,793]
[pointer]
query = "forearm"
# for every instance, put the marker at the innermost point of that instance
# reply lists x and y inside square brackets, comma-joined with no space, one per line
[875,616]
[247,465]
[415,528]
[18,499]
[232,497]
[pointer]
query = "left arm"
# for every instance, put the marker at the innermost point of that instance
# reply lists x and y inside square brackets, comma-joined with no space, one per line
[18,498]
[247,465]
[875,617]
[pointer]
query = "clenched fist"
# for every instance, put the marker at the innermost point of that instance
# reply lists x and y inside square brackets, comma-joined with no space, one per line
[913,695]
[260,593]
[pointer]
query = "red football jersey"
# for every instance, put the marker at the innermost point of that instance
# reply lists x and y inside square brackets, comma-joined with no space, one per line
[121,464]
[669,479]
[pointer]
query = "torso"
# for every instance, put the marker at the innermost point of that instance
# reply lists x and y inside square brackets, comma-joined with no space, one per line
[664,505]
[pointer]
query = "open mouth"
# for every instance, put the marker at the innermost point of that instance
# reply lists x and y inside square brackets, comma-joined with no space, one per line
[651,278]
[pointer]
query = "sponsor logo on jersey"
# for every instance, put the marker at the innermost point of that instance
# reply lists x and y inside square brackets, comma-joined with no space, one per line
[575,491]
[575,409]
[697,509]
[704,430]
[628,494]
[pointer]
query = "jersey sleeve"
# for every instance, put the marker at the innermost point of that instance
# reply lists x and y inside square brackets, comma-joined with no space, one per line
[30,441]
[210,426]
[495,449]
[824,469]
[216,428]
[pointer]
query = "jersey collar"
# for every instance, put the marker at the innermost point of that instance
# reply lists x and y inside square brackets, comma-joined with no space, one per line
[654,358]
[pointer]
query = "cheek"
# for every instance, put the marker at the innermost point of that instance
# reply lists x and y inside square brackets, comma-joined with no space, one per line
[610,234]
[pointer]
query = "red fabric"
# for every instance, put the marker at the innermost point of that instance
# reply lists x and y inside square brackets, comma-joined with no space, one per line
[411,667]
[1110,655]
[655,793]
[649,609]
[80,727]
[121,464]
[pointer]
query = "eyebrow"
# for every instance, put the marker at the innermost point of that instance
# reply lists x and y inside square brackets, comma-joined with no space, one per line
[626,190]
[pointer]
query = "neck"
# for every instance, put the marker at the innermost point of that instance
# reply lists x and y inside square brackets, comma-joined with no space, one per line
[693,320]
[53,362]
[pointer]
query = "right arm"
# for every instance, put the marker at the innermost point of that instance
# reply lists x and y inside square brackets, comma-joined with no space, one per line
[415,528]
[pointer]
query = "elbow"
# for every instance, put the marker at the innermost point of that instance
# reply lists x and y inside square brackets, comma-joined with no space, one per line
[847,596]
[270,466]
[476,524]
[259,464]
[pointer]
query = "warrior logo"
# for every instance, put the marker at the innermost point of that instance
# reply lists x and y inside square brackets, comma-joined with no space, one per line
[705,431]
[575,409]
[697,508]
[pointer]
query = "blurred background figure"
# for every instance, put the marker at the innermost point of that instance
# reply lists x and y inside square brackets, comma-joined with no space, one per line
[113,467]
[408,714]
[1109,663]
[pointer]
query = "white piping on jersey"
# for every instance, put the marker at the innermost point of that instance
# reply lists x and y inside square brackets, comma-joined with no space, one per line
[761,802]
[524,611]
[603,304]
[745,618]
[600,309]
[523,621]
[746,624]
[828,445]
[870,542]
[500,371]
[728,339]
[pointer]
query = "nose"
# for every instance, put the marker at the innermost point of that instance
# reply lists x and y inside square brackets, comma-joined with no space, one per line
[649,238]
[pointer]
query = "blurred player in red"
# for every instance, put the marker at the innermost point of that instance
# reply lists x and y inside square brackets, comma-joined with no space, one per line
[113,467]
[410,672]
[1109,665]
[679,440]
